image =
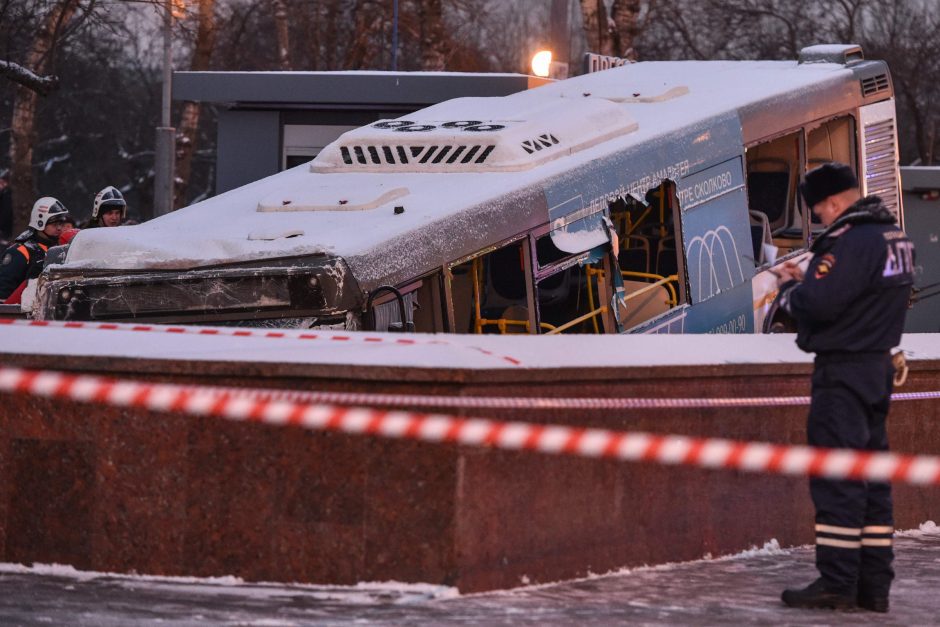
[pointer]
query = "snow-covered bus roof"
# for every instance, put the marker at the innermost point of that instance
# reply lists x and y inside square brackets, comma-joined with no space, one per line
[373,218]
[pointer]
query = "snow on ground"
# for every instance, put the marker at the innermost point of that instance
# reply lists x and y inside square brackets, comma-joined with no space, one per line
[739,589]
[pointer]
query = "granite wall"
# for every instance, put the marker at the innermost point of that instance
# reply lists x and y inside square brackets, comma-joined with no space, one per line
[125,490]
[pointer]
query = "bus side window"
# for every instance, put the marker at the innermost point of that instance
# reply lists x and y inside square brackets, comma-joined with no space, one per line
[489,292]
[570,294]
[831,141]
[773,170]
[651,264]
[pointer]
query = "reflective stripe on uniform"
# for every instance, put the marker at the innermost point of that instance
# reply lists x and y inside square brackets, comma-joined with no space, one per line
[23,251]
[877,535]
[877,529]
[845,537]
[842,544]
[877,542]
[842,531]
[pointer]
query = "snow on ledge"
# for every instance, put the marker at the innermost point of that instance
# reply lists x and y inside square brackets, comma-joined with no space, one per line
[447,351]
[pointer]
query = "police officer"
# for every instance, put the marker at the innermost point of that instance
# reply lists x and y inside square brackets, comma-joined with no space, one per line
[110,208]
[23,259]
[849,307]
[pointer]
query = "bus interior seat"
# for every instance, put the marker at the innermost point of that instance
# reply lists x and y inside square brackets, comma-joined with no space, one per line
[645,306]
[760,234]
[504,282]
[634,254]
[517,313]
[666,261]
[505,273]
[769,190]
[555,289]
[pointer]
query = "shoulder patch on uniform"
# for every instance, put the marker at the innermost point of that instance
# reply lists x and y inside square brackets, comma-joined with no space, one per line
[7,259]
[824,265]
[899,259]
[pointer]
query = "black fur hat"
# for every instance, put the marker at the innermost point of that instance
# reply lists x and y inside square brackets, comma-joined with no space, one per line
[827,180]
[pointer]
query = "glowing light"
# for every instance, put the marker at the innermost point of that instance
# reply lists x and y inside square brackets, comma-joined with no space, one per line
[542,63]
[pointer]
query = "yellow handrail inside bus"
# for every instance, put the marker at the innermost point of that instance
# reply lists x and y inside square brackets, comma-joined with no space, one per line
[504,323]
[578,320]
[633,226]
[590,271]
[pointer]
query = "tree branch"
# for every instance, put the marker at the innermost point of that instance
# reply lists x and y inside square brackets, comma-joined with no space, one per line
[42,85]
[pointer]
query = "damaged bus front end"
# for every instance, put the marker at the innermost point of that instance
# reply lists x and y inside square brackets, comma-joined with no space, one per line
[317,291]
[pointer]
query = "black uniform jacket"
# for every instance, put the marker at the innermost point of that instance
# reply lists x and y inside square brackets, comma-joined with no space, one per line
[857,287]
[22,261]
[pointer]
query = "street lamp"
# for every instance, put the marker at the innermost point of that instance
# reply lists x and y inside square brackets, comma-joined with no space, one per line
[542,63]
[544,67]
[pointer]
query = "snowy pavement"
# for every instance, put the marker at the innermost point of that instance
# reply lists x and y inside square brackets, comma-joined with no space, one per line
[742,589]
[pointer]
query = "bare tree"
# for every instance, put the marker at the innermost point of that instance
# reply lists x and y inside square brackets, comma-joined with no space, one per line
[434,42]
[904,35]
[30,83]
[281,19]
[368,19]
[595,19]
[625,27]
[502,36]
[77,136]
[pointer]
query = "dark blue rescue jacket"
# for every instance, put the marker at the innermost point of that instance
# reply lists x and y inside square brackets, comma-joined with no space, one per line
[22,261]
[857,287]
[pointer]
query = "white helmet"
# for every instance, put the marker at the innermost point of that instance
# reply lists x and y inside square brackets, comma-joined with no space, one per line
[45,210]
[109,198]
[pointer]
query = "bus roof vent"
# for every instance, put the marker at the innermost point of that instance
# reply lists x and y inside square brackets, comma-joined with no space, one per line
[843,54]
[874,84]
[542,141]
[477,135]
[390,155]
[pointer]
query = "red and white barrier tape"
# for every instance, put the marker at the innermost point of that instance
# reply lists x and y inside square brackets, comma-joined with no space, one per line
[436,428]
[289,334]
[524,402]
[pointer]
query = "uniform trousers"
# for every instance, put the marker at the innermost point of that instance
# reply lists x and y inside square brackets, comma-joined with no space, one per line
[851,393]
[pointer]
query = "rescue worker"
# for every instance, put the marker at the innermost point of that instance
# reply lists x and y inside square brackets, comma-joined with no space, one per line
[110,208]
[849,307]
[23,259]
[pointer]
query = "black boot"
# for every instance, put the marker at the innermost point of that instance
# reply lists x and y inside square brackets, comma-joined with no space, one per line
[816,596]
[873,602]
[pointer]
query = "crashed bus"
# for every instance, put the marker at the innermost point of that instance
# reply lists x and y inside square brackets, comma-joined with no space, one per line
[654,197]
